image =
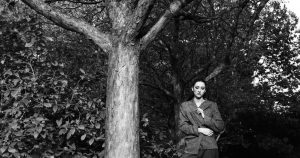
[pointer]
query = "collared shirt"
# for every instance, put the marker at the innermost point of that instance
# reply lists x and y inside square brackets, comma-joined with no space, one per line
[190,121]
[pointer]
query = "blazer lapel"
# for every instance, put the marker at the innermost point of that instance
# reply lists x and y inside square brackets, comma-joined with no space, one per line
[204,105]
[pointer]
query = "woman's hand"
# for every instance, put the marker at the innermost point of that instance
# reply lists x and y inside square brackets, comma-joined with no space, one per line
[200,111]
[206,131]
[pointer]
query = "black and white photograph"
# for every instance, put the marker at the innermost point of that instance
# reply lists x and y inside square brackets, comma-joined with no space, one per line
[149,79]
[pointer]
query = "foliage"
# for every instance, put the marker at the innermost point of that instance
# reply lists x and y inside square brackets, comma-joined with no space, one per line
[156,140]
[259,97]
[45,110]
[278,67]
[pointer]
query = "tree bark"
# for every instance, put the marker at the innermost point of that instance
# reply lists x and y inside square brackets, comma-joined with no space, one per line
[122,120]
[177,75]
[178,92]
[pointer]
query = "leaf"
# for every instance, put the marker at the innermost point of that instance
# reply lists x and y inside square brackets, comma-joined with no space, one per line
[91,141]
[6,93]
[88,116]
[100,137]
[15,81]
[8,72]
[97,125]
[48,105]
[72,146]
[19,133]
[59,122]
[55,63]
[68,105]
[12,150]
[81,70]
[81,127]
[3,149]
[54,108]
[44,135]
[70,133]
[30,44]
[35,134]
[64,83]
[27,69]
[39,129]
[83,137]
[15,92]
[49,39]
[14,125]
[89,104]
[25,101]
[40,119]
[33,79]
[62,131]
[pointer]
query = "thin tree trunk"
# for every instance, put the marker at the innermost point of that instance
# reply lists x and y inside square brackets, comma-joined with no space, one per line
[178,93]
[122,139]
[177,84]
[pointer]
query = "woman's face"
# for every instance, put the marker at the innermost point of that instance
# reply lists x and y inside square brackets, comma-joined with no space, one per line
[199,89]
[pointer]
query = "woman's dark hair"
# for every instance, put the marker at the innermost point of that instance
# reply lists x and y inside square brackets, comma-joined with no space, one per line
[199,80]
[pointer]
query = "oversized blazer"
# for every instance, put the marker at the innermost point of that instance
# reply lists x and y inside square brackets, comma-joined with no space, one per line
[190,121]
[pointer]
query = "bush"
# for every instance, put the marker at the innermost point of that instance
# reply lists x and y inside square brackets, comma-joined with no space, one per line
[45,112]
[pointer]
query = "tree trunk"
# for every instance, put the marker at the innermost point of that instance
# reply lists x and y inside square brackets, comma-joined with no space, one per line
[122,120]
[178,92]
[177,84]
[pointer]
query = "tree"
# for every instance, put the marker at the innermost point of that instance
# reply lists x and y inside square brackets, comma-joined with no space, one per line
[123,47]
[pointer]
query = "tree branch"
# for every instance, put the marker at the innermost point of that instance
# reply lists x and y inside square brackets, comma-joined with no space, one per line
[212,9]
[215,72]
[70,23]
[164,19]
[197,19]
[255,16]
[158,83]
[197,72]
[142,13]
[71,1]
[165,91]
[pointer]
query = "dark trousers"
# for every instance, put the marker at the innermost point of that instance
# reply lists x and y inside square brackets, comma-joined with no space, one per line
[203,153]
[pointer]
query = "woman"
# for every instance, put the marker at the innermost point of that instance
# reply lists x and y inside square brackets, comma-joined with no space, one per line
[200,121]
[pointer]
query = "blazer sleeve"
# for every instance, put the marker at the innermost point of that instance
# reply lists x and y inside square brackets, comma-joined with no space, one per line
[215,122]
[185,124]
